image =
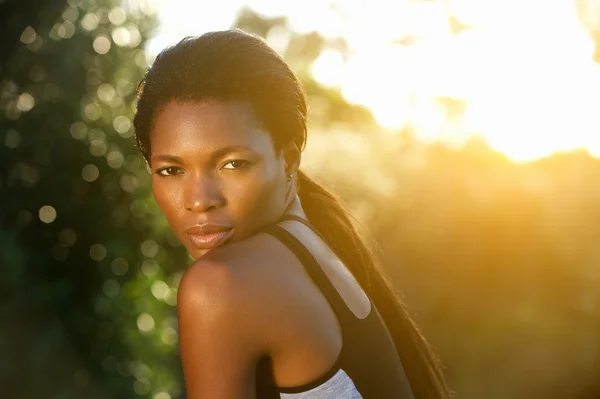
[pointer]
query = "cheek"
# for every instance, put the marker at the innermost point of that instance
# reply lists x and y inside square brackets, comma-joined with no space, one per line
[259,197]
[166,197]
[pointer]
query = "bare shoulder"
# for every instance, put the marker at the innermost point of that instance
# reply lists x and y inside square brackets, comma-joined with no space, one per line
[207,283]
[235,286]
[220,326]
[212,290]
[228,273]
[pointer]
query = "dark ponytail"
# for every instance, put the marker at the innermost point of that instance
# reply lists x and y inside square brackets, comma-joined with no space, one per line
[235,66]
[326,212]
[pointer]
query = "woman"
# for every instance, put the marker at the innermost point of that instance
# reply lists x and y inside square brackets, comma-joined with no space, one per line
[284,298]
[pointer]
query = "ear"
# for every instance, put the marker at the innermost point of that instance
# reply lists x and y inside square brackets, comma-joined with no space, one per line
[291,155]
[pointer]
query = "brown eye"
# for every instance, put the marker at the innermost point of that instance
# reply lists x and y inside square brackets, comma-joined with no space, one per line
[168,171]
[236,164]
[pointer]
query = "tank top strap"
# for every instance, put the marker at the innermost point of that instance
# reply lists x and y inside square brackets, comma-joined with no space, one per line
[305,222]
[310,264]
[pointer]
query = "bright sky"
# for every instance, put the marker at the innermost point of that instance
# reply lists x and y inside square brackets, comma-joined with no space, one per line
[524,70]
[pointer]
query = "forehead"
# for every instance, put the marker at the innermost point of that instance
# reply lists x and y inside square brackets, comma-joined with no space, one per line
[205,127]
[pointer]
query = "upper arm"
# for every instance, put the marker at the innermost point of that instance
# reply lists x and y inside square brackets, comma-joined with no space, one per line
[218,349]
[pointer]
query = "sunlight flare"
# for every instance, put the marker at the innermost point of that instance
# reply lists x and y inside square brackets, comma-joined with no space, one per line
[524,70]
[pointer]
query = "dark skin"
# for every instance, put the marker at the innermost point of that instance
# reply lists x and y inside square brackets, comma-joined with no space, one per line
[213,163]
[249,296]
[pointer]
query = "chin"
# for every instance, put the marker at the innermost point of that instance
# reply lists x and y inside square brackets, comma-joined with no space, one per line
[197,253]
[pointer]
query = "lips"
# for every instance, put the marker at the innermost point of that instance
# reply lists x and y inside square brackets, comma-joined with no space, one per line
[208,236]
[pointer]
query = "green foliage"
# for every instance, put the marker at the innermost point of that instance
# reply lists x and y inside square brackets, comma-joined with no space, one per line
[90,262]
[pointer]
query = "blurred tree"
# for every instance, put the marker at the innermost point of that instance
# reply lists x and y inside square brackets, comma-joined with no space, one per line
[91,314]
[16,15]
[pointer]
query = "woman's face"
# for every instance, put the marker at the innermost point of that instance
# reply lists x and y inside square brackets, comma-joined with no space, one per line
[215,173]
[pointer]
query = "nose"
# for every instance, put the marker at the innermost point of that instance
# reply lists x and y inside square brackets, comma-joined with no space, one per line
[202,195]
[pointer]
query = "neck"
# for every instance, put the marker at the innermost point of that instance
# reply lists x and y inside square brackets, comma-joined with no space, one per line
[294,207]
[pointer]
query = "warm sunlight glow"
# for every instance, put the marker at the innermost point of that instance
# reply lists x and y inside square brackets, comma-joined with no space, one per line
[328,69]
[523,69]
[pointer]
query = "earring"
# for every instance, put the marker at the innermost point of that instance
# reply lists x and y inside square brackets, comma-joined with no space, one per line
[290,176]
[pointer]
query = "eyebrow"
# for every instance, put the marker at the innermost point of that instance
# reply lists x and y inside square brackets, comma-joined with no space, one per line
[215,155]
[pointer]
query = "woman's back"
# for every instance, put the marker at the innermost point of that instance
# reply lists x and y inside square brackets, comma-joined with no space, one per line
[333,342]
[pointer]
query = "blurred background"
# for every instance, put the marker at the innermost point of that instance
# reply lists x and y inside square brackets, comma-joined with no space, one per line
[464,134]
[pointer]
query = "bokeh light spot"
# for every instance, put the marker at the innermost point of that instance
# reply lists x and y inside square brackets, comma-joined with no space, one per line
[70,14]
[117,16]
[141,370]
[161,395]
[92,111]
[128,183]
[124,87]
[68,237]
[28,35]
[111,287]
[160,289]
[122,125]
[101,44]
[12,139]
[78,130]
[115,159]
[124,368]
[171,297]
[66,30]
[150,267]
[47,214]
[90,173]
[119,266]
[37,43]
[53,34]
[138,208]
[106,92]
[98,148]
[25,102]
[172,240]
[141,386]
[96,134]
[90,21]
[149,248]
[135,38]
[145,323]
[134,163]
[97,252]
[121,36]
[102,14]
[169,336]
[175,279]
